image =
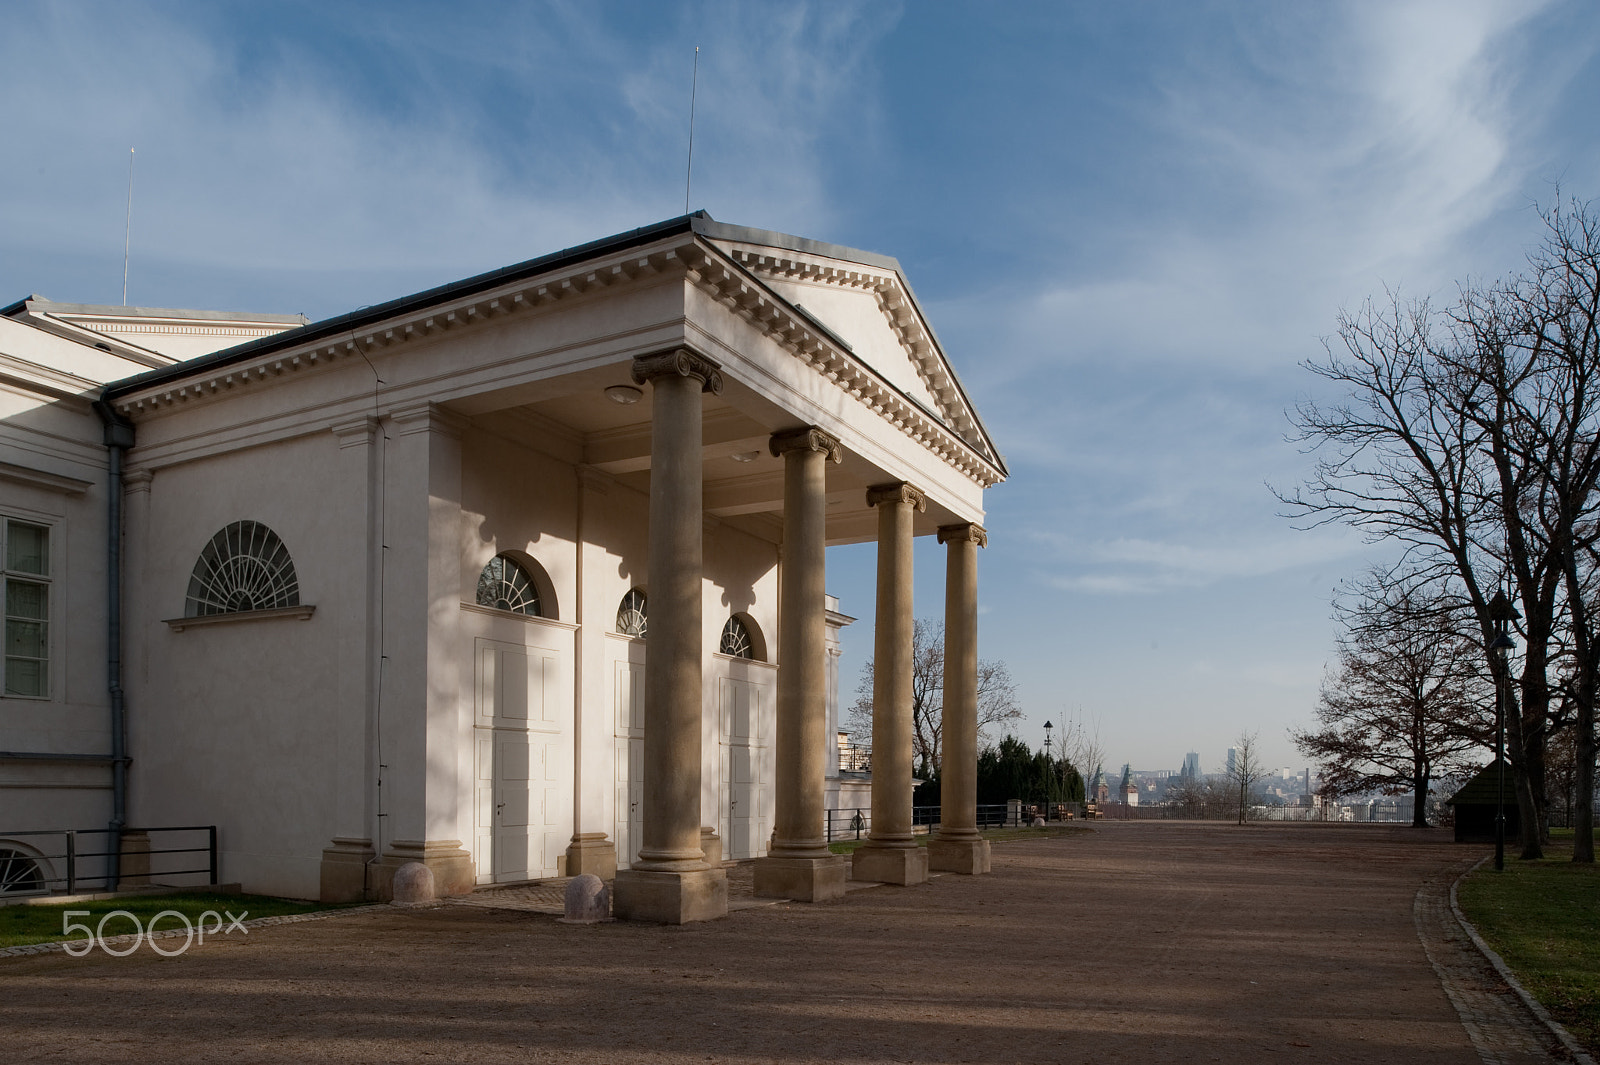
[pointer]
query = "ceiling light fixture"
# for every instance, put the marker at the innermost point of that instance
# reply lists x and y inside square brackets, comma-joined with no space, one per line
[745,456]
[624,394]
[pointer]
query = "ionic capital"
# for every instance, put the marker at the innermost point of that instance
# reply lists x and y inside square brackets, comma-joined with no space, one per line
[967,531]
[808,439]
[898,492]
[680,362]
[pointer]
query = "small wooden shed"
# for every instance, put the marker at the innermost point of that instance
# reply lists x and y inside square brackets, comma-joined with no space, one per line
[1474,806]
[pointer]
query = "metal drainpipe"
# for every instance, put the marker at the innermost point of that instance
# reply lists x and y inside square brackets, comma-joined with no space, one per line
[118,438]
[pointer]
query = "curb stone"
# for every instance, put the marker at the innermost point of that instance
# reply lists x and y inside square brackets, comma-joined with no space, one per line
[1494,959]
[61,945]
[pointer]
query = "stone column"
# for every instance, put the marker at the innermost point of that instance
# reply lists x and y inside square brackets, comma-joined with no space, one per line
[798,864]
[671,882]
[959,848]
[891,854]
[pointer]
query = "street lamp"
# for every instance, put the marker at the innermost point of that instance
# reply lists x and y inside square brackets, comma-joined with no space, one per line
[1050,779]
[1501,612]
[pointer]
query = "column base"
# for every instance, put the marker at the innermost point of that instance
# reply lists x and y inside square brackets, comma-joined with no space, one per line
[669,897]
[890,865]
[970,857]
[344,869]
[591,852]
[801,879]
[451,865]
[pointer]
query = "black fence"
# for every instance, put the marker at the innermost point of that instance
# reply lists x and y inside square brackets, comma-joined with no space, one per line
[71,861]
[857,824]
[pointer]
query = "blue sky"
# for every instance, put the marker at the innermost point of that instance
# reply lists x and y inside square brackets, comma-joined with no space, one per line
[1129,224]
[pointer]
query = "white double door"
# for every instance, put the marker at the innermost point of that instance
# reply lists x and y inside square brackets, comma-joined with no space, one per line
[523,782]
[744,768]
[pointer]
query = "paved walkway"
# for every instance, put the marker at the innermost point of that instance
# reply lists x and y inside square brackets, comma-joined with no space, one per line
[1138,943]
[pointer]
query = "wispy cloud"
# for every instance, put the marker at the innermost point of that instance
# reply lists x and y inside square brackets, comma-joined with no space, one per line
[266,153]
[1144,566]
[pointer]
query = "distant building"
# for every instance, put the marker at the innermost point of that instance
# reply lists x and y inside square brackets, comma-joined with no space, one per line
[1233,760]
[1191,766]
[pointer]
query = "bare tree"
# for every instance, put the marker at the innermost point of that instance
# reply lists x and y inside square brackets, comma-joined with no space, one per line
[1405,704]
[1080,743]
[997,697]
[1246,771]
[1472,441]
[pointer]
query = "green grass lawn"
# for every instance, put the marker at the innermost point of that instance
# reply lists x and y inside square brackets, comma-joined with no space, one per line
[42,923]
[1543,918]
[996,835]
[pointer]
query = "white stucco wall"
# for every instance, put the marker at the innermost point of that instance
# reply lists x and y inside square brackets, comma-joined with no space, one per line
[53,472]
[234,724]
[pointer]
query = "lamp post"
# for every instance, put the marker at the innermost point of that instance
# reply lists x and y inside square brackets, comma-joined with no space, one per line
[1501,612]
[1050,784]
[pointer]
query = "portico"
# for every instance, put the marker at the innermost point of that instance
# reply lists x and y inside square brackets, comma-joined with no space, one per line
[642,448]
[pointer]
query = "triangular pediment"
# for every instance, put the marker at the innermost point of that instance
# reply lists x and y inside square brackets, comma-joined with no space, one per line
[863,302]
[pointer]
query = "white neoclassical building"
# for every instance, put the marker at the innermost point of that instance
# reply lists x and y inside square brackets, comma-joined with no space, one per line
[521,576]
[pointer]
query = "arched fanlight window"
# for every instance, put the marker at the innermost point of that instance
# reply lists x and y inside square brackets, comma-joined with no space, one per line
[505,585]
[244,567]
[19,872]
[736,639]
[631,617]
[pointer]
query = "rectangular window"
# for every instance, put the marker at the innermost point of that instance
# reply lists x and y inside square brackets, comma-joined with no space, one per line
[27,604]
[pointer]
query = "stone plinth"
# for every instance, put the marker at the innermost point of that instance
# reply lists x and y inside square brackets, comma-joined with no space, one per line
[450,864]
[592,852]
[801,879]
[969,857]
[344,869]
[670,897]
[891,865]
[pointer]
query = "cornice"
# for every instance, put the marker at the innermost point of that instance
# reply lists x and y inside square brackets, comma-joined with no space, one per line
[728,281]
[52,482]
[515,299]
[45,380]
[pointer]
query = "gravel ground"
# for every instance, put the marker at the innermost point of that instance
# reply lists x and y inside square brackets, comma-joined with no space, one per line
[1140,942]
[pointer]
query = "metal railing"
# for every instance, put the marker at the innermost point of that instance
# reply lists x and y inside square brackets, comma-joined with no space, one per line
[846,824]
[856,824]
[855,757]
[82,869]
